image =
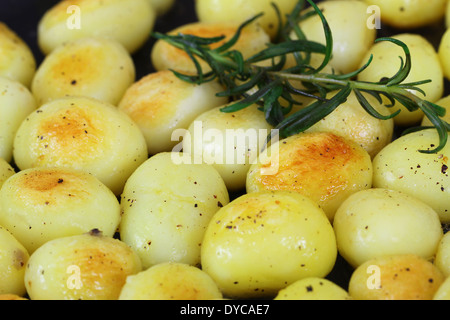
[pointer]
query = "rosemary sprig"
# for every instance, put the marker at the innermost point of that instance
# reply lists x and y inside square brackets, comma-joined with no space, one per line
[247,82]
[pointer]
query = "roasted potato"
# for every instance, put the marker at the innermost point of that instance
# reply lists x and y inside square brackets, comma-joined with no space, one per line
[313,288]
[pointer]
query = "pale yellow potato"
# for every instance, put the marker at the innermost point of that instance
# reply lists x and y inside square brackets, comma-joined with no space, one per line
[444,103]
[170,281]
[92,67]
[425,66]
[166,207]
[89,266]
[13,259]
[161,103]
[407,14]
[16,103]
[397,277]
[443,293]
[41,204]
[242,10]
[442,258]
[230,142]
[161,7]
[351,121]
[11,297]
[17,61]
[352,38]
[164,56]
[313,288]
[400,166]
[320,165]
[85,134]
[263,241]
[376,222]
[6,171]
[444,52]
[128,22]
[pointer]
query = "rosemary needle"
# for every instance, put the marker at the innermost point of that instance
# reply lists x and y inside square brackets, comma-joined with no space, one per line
[246,82]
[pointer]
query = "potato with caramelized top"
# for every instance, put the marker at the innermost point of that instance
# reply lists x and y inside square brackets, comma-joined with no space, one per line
[395,277]
[165,56]
[17,61]
[91,67]
[161,103]
[41,204]
[263,241]
[13,259]
[129,22]
[16,103]
[170,281]
[89,266]
[320,165]
[85,134]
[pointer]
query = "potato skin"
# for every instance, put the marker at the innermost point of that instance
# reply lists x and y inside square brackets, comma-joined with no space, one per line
[17,61]
[170,281]
[376,222]
[443,293]
[161,103]
[85,134]
[16,103]
[93,67]
[6,171]
[128,22]
[13,259]
[40,204]
[397,277]
[83,267]
[166,208]
[442,258]
[263,241]
[400,166]
[320,165]
[313,288]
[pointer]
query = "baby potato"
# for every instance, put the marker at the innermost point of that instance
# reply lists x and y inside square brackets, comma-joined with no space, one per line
[263,241]
[444,52]
[443,293]
[128,22]
[166,207]
[85,134]
[351,37]
[6,171]
[92,67]
[164,56]
[320,165]
[13,259]
[160,103]
[351,121]
[88,266]
[444,103]
[425,65]
[442,258]
[170,281]
[397,277]
[41,204]
[406,14]
[161,7]
[230,142]
[17,61]
[376,222]
[241,10]
[16,103]
[313,288]
[401,166]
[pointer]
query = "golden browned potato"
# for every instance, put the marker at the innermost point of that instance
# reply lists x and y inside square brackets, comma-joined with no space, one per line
[41,204]
[321,165]
[17,61]
[93,67]
[263,241]
[16,103]
[84,134]
[161,103]
[165,56]
[397,277]
[13,259]
[129,22]
[170,281]
[90,266]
